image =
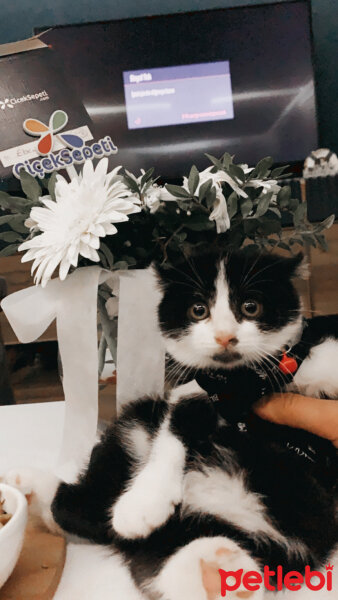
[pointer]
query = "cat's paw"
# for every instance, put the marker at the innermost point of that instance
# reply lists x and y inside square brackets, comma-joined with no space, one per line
[138,512]
[207,569]
[22,479]
[39,487]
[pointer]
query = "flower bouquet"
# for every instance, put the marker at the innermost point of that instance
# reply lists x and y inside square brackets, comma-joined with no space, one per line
[119,221]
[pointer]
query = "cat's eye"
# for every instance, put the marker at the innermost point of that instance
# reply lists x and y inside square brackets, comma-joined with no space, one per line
[251,309]
[198,311]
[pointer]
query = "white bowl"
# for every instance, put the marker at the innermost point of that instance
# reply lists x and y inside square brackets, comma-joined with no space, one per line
[12,534]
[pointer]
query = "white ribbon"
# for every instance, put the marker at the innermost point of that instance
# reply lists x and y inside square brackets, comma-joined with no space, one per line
[140,347]
[73,302]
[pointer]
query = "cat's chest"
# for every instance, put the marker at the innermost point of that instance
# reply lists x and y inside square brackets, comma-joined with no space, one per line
[318,373]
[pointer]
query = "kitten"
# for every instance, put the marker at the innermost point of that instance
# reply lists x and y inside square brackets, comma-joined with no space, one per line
[190,481]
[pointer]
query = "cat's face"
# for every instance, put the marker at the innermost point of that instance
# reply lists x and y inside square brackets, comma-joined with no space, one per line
[227,312]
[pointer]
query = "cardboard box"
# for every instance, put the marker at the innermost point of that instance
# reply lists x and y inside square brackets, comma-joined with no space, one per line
[33,86]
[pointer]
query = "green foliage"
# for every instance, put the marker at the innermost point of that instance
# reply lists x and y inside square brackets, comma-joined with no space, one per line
[256,201]
[30,186]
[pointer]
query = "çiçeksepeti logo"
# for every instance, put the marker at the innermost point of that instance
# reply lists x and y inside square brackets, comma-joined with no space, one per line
[5,104]
[57,121]
[73,149]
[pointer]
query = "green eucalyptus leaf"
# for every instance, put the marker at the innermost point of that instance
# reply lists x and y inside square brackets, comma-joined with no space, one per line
[30,186]
[232,204]
[275,210]
[296,240]
[263,205]
[130,260]
[121,265]
[5,200]
[107,253]
[6,219]
[309,239]
[106,266]
[204,189]
[177,191]
[131,183]
[261,169]
[328,222]
[236,172]
[193,180]
[9,250]
[283,197]
[246,206]
[275,173]
[15,204]
[10,236]
[322,241]
[51,185]
[215,161]
[16,222]
[285,176]
[146,177]
[211,198]
[183,204]
[226,160]
[299,215]
[293,204]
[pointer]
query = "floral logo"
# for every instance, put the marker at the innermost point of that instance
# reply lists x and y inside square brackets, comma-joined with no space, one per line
[5,104]
[57,121]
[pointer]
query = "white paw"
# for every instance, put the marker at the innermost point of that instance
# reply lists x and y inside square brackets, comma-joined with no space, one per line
[39,487]
[22,479]
[192,572]
[138,512]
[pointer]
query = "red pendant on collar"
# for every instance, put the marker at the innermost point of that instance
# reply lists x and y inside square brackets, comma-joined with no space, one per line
[288,364]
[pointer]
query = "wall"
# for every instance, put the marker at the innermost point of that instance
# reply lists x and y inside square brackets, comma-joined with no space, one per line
[19,17]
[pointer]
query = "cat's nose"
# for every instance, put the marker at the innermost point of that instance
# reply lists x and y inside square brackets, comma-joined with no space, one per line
[224,339]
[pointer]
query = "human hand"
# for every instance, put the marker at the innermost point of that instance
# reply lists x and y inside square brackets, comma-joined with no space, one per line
[303,412]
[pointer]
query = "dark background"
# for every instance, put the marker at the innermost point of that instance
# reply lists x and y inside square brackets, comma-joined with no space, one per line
[19,17]
[261,45]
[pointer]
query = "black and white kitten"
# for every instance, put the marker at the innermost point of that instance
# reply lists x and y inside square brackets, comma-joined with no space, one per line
[193,480]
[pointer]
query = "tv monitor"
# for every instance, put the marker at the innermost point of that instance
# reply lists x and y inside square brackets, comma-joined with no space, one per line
[168,89]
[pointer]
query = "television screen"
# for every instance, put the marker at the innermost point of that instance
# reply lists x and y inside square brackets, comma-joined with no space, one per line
[167,89]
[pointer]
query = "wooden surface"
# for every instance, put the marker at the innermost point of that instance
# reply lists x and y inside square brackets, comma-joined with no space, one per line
[16,273]
[324,276]
[39,568]
[18,277]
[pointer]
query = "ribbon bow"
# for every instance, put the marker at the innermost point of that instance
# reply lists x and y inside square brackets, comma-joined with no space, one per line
[73,303]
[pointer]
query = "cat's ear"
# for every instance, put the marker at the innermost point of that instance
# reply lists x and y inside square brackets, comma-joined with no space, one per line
[298,266]
[164,271]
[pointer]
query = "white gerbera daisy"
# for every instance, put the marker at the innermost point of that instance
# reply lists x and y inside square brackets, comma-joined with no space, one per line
[84,210]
